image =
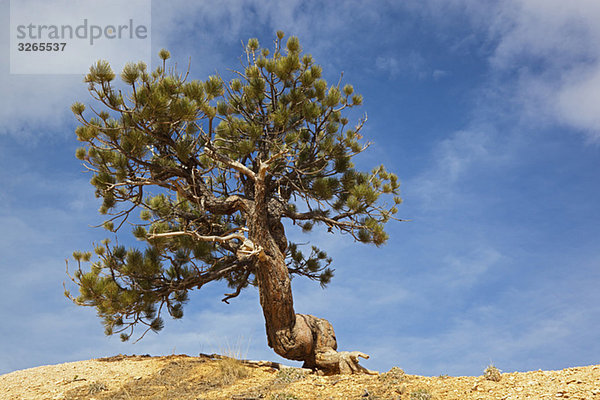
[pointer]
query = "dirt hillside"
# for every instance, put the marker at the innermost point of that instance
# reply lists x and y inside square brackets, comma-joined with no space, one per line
[211,378]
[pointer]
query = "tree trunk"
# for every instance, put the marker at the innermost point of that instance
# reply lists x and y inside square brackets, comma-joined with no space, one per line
[293,336]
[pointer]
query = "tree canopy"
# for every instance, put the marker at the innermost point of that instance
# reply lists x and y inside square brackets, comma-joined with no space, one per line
[190,163]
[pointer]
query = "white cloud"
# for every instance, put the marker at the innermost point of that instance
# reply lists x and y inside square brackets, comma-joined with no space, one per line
[578,101]
[521,334]
[544,55]
[555,45]
[453,159]
[34,106]
[557,32]
[439,74]
[412,65]
[389,65]
[460,271]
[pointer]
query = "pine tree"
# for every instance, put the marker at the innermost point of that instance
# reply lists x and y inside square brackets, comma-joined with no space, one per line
[213,168]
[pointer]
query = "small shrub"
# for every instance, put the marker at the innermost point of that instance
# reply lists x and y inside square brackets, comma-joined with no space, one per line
[283,396]
[491,373]
[394,375]
[289,375]
[96,387]
[368,396]
[421,394]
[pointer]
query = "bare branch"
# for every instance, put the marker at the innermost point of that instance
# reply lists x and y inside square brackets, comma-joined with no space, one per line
[203,238]
[265,165]
[241,168]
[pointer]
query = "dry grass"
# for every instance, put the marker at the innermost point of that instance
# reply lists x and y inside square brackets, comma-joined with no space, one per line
[96,387]
[230,370]
[289,375]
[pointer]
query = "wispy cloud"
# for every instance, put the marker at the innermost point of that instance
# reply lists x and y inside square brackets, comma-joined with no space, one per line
[453,159]
[463,271]
[577,101]
[554,44]
[515,331]
[412,65]
[549,47]
[35,106]
[439,74]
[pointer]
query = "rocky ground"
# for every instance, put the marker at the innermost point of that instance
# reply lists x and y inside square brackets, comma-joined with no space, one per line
[211,378]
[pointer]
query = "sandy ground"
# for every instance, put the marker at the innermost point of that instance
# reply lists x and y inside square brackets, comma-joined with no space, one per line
[202,378]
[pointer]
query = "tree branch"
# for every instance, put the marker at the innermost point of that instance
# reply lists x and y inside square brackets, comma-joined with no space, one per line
[241,168]
[319,215]
[238,289]
[203,238]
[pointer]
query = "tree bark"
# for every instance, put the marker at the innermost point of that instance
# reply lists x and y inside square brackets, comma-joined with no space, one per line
[293,336]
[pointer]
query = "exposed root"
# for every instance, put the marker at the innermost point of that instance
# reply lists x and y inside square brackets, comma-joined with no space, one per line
[342,362]
[324,355]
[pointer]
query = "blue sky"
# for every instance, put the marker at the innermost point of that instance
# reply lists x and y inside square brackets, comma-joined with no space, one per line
[489,113]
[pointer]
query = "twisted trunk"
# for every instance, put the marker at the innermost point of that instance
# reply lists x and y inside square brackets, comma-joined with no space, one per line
[293,336]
